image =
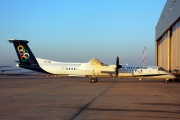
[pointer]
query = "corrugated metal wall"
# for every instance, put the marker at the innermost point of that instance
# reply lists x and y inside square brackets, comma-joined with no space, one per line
[163,51]
[173,46]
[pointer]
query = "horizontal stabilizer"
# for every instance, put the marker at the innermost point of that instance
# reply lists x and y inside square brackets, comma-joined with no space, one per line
[17,61]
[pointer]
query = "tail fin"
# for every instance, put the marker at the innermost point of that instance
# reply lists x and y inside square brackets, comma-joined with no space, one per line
[24,53]
[26,57]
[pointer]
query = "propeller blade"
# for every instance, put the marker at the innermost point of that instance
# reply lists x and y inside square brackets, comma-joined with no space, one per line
[117,69]
[117,66]
[117,60]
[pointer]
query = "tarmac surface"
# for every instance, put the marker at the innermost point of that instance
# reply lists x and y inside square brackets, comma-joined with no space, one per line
[64,98]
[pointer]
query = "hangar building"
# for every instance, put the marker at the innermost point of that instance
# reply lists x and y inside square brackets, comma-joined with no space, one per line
[168,36]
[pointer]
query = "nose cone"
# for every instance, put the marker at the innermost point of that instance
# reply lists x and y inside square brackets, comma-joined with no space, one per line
[172,76]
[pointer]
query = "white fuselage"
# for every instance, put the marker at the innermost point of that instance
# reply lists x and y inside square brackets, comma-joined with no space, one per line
[89,69]
[145,72]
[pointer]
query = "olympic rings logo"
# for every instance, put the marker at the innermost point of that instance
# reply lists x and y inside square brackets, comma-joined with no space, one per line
[23,53]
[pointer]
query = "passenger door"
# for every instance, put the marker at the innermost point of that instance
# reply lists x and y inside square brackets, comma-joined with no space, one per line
[63,70]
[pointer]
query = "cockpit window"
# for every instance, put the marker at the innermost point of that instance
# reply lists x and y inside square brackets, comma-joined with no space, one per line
[161,69]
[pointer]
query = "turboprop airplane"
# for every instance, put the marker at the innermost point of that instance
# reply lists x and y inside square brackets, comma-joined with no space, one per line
[93,69]
[3,70]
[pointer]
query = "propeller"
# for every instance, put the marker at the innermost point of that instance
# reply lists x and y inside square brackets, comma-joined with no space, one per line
[117,65]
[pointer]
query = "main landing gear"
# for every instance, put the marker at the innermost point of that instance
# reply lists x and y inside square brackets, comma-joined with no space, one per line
[171,80]
[166,81]
[94,77]
[93,80]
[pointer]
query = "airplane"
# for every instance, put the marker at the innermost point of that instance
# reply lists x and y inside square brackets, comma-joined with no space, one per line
[4,66]
[93,69]
[3,71]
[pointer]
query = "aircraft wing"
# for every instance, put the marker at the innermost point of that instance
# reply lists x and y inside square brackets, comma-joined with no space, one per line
[95,66]
[108,72]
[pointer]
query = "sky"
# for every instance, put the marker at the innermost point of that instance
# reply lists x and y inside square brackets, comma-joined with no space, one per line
[77,30]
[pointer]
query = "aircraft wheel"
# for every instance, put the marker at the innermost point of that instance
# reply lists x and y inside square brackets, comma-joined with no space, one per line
[166,81]
[177,80]
[92,80]
[95,79]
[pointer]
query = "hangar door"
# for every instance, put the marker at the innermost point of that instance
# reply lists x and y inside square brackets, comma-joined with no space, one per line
[175,46]
[163,51]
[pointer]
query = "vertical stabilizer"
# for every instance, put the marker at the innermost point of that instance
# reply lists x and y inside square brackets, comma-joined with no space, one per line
[26,58]
[24,53]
